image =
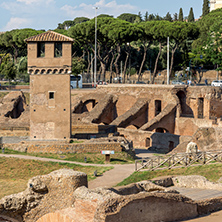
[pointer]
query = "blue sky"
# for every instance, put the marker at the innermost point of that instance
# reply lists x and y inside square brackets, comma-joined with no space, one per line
[46,14]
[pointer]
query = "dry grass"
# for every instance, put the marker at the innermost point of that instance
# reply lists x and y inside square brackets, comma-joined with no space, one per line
[15,173]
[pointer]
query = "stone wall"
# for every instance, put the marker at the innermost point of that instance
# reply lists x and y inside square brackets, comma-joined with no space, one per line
[44,194]
[159,142]
[13,131]
[53,147]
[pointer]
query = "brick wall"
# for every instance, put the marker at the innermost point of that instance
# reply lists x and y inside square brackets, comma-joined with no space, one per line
[13,131]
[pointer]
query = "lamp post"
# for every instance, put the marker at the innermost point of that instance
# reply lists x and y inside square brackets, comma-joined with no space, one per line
[168,61]
[95,65]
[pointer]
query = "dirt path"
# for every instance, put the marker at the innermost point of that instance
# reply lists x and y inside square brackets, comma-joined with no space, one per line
[108,179]
[213,217]
[112,177]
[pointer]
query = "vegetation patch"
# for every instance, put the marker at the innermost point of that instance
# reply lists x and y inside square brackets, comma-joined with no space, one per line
[211,172]
[15,173]
[96,158]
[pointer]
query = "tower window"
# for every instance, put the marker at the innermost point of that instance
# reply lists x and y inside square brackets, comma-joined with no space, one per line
[40,49]
[58,49]
[51,95]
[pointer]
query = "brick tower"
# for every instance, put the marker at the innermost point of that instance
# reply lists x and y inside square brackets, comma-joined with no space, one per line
[49,66]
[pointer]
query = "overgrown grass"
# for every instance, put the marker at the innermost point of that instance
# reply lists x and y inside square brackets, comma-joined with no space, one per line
[96,158]
[212,172]
[2,94]
[15,173]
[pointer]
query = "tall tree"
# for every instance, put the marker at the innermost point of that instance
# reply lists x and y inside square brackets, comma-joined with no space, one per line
[178,33]
[146,39]
[128,17]
[78,20]
[151,17]
[191,16]
[168,17]
[175,17]
[214,44]
[181,15]
[160,34]
[146,16]
[206,8]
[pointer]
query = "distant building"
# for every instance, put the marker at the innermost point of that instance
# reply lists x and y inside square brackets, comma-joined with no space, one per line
[215,4]
[49,66]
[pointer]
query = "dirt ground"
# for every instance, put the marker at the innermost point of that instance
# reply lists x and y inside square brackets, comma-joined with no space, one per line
[213,217]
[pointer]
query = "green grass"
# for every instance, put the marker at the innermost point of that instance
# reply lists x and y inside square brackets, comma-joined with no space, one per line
[96,158]
[212,172]
[15,173]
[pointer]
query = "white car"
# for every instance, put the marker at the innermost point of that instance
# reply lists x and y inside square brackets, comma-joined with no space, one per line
[217,83]
[177,82]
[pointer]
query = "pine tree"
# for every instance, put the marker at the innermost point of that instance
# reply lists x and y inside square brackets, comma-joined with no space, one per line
[175,17]
[181,15]
[191,16]
[206,8]
[146,16]
[168,17]
[140,17]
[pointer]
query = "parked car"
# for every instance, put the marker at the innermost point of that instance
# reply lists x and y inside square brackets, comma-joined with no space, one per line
[140,82]
[177,82]
[217,83]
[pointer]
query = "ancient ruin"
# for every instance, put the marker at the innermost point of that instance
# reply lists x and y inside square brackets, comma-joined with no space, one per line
[158,117]
[63,196]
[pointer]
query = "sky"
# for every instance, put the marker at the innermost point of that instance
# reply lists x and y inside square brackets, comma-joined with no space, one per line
[46,14]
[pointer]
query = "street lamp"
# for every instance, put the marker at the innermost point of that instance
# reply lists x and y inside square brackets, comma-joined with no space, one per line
[96,8]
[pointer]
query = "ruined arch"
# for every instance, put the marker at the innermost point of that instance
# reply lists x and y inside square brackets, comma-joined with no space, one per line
[88,105]
[182,98]
[132,127]
[161,130]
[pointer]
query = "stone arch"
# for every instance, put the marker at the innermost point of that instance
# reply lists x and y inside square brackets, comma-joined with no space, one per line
[31,71]
[37,71]
[88,105]
[49,71]
[132,127]
[161,130]
[66,71]
[43,71]
[55,71]
[61,71]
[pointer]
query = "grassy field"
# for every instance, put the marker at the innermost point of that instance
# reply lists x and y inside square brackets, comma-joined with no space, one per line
[96,158]
[212,172]
[15,173]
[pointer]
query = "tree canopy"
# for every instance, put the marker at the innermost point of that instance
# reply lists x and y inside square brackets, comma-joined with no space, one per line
[206,8]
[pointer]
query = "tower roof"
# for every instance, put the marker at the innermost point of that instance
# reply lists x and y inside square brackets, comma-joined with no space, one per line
[49,36]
